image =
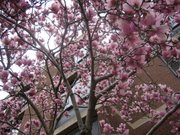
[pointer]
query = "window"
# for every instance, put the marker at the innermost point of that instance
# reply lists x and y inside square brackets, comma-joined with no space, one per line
[173,65]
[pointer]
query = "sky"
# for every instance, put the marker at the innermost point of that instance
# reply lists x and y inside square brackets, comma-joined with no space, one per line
[3,94]
[32,54]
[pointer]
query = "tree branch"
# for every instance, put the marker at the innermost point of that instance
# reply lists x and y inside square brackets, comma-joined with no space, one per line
[12,126]
[107,89]
[166,116]
[61,70]
[98,79]
[36,111]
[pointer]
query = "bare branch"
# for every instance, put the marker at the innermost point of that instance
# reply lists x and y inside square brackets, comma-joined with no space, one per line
[98,79]
[36,111]
[166,116]
[12,126]
[107,89]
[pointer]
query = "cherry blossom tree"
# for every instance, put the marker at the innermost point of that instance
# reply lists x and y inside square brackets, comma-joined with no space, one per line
[103,42]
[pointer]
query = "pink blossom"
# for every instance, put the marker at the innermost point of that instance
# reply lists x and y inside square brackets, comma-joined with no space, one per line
[4,76]
[122,129]
[66,113]
[170,2]
[123,76]
[177,18]
[126,27]
[55,7]
[161,114]
[107,128]
[19,62]
[95,44]
[174,53]
[32,92]
[36,123]
[23,4]
[28,62]
[39,55]
[114,37]
[6,41]
[166,54]
[58,101]
[91,14]
[24,74]
[80,101]
[42,133]
[135,3]
[149,19]
[122,92]
[112,18]
[127,9]
[111,3]
[158,38]
[6,87]
[14,81]
[2,115]
[27,124]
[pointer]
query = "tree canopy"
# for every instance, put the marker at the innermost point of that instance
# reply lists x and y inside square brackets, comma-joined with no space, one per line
[103,43]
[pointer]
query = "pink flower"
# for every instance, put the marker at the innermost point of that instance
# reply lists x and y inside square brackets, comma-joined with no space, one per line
[32,92]
[126,27]
[66,114]
[91,13]
[158,38]
[42,133]
[111,3]
[174,52]
[58,101]
[161,114]
[127,9]
[95,44]
[36,123]
[107,128]
[122,129]
[27,124]
[122,92]
[80,101]
[170,2]
[135,3]
[39,55]
[4,76]
[55,8]
[166,54]
[123,76]
[5,87]
[114,37]
[177,18]
[26,62]
[14,81]
[29,62]
[23,4]
[19,62]
[149,20]
[6,41]
[2,115]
